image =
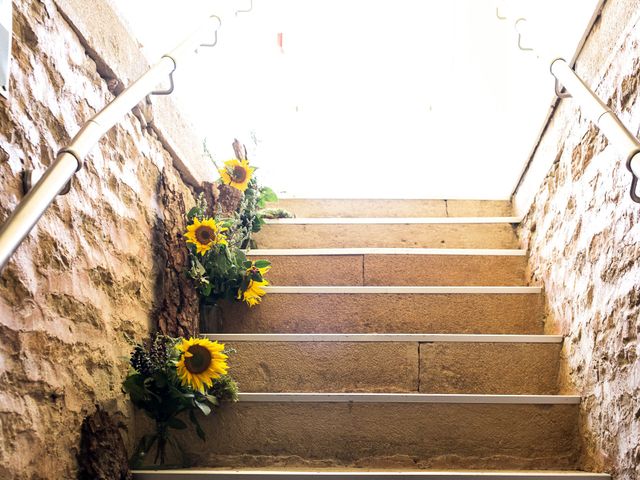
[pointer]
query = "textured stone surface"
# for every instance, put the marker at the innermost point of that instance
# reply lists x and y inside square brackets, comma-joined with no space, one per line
[102,455]
[482,368]
[390,435]
[388,313]
[604,41]
[95,272]
[393,235]
[119,59]
[500,368]
[315,269]
[409,270]
[301,207]
[584,237]
[479,208]
[325,366]
[397,270]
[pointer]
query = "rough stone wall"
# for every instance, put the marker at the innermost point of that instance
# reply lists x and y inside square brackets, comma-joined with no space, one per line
[97,271]
[583,235]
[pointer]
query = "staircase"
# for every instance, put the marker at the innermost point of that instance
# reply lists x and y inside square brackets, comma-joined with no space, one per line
[399,340]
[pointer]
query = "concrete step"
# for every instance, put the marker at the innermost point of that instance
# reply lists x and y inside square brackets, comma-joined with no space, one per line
[492,364]
[395,266]
[475,232]
[395,208]
[361,474]
[497,310]
[391,431]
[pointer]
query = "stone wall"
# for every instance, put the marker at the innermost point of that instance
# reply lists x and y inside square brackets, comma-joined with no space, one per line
[98,270]
[583,235]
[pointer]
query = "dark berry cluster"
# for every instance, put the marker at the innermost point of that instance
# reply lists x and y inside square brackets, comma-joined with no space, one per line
[159,352]
[140,361]
[155,358]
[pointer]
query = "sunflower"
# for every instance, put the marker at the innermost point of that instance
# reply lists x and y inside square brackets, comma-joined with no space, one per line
[236,173]
[205,234]
[253,268]
[201,361]
[254,292]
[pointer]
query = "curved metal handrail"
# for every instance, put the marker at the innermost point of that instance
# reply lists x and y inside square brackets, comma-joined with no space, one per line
[592,107]
[599,113]
[71,158]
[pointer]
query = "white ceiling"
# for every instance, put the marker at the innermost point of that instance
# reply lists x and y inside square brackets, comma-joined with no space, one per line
[369,98]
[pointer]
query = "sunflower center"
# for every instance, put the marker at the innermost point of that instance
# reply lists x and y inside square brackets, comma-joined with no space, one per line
[205,235]
[200,361]
[239,174]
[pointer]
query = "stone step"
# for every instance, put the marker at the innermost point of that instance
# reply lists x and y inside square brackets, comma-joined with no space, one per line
[498,310]
[361,474]
[389,233]
[346,208]
[491,364]
[391,430]
[395,266]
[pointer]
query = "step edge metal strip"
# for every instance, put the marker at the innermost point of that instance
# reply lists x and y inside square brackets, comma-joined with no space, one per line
[385,337]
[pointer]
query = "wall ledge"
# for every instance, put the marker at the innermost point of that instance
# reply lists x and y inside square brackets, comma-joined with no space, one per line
[609,29]
[119,60]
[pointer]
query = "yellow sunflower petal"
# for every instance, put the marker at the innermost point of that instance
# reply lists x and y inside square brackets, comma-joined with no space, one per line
[236,174]
[254,293]
[200,363]
[204,235]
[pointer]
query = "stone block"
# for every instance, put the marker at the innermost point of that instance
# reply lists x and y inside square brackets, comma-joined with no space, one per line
[478,235]
[350,208]
[489,368]
[379,435]
[303,270]
[325,366]
[487,270]
[513,313]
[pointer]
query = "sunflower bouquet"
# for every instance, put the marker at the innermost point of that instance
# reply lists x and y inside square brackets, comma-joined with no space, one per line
[175,375]
[241,198]
[217,236]
[219,267]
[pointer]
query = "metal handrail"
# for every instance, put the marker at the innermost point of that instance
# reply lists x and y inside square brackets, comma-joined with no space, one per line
[71,158]
[607,121]
[592,107]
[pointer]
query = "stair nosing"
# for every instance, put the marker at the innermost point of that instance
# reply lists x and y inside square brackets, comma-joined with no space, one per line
[426,290]
[437,398]
[385,337]
[391,220]
[380,474]
[274,252]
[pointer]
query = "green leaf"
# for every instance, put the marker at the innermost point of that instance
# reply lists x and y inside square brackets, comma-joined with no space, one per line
[212,400]
[204,408]
[135,387]
[256,276]
[199,430]
[268,195]
[198,266]
[244,284]
[240,257]
[144,445]
[193,212]
[160,379]
[176,423]
[262,263]
[247,264]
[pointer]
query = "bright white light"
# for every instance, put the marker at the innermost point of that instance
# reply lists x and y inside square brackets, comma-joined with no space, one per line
[369,98]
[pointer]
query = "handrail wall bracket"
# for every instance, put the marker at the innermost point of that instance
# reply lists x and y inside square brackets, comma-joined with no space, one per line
[70,159]
[633,165]
[603,116]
